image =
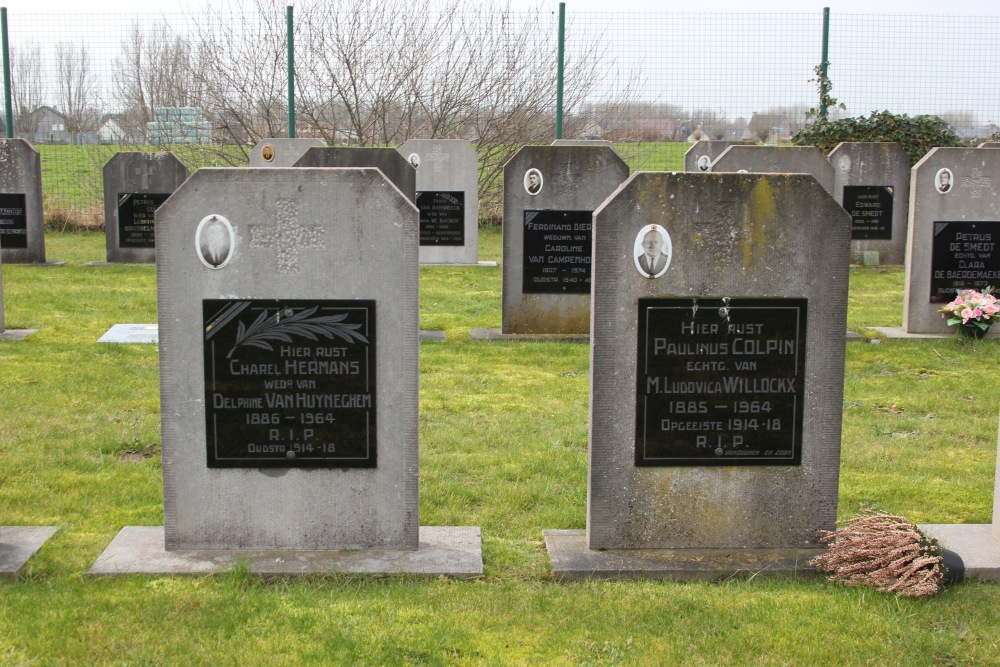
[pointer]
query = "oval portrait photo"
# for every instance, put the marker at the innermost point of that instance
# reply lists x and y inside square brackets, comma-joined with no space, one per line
[214,241]
[533,181]
[704,162]
[943,180]
[414,159]
[652,251]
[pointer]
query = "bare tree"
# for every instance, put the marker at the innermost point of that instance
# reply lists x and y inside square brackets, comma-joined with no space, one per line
[156,69]
[77,88]
[27,88]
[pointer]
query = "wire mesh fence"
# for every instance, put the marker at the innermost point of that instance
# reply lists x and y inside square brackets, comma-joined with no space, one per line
[209,85]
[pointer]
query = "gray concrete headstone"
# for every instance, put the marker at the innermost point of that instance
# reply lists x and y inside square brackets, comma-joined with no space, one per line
[549,195]
[447,183]
[989,144]
[709,381]
[777,160]
[953,238]
[288,318]
[585,142]
[872,182]
[22,232]
[387,160]
[135,184]
[281,152]
[702,153]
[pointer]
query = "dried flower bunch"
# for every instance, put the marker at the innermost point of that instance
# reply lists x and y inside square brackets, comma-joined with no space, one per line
[883,551]
[980,308]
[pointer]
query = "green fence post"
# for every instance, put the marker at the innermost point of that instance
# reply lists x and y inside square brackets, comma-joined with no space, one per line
[291,73]
[7,107]
[824,82]
[559,74]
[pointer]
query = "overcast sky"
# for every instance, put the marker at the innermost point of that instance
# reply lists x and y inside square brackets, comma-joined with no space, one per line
[961,7]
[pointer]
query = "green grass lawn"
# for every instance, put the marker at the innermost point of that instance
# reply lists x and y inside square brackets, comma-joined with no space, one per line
[503,434]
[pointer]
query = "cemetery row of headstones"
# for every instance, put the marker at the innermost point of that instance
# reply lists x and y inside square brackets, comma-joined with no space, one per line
[136,184]
[288,360]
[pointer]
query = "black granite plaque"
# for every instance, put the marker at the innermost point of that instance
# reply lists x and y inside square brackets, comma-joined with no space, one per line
[290,383]
[13,221]
[557,252]
[442,218]
[964,255]
[870,207]
[720,381]
[135,218]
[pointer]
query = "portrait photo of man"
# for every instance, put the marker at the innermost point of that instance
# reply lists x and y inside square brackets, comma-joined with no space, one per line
[652,251]
[414,160]
[704,162]
[943,180]
[533,181]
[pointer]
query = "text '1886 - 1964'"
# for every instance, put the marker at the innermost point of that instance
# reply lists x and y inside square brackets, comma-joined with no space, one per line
[290,383]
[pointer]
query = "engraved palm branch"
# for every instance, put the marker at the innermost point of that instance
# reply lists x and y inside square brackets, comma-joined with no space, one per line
[286,323]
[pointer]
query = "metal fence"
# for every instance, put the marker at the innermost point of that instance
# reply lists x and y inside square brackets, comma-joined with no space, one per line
[210,85]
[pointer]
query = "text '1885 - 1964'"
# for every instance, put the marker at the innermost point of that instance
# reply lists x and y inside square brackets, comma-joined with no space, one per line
[720,381]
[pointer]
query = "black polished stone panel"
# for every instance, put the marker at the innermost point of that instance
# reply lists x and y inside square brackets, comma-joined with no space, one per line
[135,218]
[964,255]
[13,221]
[870,207]
[720,381]
[290,383]
[557,252]
[442,218]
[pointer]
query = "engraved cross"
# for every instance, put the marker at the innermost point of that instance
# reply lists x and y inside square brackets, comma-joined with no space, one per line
[976,182]
[287,236]
[438,157]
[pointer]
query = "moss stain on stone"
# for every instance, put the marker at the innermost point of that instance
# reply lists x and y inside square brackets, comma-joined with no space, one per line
[756,224]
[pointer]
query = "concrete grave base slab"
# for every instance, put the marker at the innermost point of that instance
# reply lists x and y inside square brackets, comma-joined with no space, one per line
[897,332]
[975,543]
[150,333]
[572,560]
[131,333]
[18,544]
[483,263]
[451,551]
[497,334]
[17,334]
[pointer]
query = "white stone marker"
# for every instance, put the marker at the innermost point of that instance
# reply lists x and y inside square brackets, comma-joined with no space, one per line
[447,183]
[872,183]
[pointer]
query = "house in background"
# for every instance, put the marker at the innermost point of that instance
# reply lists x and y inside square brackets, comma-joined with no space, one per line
[44,125]
[113,129]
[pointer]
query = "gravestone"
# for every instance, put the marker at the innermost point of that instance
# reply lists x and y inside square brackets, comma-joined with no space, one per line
[872,183]
[702,153]
[447,184]
[953,239]
[585,142]
[989,144]
[289,378]
[281,152]
[135,185]
[777,160]
[550,193]
[2,329]
[22,233]
[387,160]
[717,383]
